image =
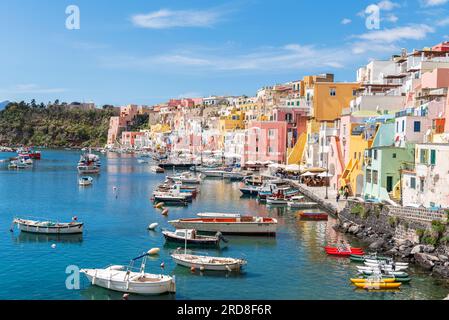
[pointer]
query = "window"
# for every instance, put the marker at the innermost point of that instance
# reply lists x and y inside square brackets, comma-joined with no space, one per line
[270,150]
[354,93]
[333,92]
[423,156]
[403,126]
[413,183]
[417,126]
[397,126]
[289,117]
[375,176]
[271,133]
[395,155]
[421,185]
[433,157]
[375,154]
[368,176]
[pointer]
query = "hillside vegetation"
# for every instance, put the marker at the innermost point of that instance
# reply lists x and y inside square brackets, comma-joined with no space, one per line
[54,125]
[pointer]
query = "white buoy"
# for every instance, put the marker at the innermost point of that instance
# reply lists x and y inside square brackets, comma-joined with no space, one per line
[154,251]
[153,226]
[53,246]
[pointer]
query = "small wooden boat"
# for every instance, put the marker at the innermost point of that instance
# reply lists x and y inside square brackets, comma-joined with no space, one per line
[208,263]
[378,285]
[214,173]
[387,265]
[85,181]
[190,237]
[169,199]
[186,178]
[361,259]
[124,279]
[300,202]
[310,215]
[395,274]
[48,227]
[379,268]
[245,225]
[369,261]
[396,279]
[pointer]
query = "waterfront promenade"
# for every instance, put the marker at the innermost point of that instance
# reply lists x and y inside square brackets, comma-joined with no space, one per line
[318,194]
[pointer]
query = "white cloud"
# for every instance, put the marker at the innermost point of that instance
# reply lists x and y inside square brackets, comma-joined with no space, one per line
[443,23]
[392,18]
[31,89]
[388,5]
[411,32]
[433,3]
[165,18]
[346,21]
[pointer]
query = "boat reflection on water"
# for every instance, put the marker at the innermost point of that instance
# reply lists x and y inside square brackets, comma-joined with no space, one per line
[98,293]
[25,237]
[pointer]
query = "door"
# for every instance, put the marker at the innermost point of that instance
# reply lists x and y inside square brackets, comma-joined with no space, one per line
[389,184]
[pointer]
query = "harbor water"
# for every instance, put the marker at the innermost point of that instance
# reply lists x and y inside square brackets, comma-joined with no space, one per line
[290,266]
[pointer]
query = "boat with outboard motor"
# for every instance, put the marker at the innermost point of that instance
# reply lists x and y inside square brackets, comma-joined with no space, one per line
[130,280]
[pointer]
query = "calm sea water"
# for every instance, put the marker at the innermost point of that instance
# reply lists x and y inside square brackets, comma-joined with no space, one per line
[290,266]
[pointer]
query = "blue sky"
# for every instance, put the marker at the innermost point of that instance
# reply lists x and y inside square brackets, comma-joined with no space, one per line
[146,52]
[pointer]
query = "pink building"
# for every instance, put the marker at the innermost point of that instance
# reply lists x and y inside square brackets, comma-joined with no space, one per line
[296,120]
[129,138]
[438,78]
[266,141]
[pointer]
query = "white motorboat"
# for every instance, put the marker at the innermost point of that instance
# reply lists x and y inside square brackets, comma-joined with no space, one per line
[186,178]
[241,225]
[85,181]
[277,201]
[386,265]
[208,263]
[299,202]
[48,227]
[123,279]
[384,262]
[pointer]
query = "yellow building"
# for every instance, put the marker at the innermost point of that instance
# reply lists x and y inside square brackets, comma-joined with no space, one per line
[330,98]
[234,121]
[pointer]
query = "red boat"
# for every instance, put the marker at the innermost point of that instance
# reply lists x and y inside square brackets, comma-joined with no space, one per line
[35,155]
[344,253]
[313,216]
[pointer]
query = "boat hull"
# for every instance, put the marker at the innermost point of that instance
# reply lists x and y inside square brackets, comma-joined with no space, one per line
[242,228]
[167,285]
[75,229]
[182,261]
[193,242]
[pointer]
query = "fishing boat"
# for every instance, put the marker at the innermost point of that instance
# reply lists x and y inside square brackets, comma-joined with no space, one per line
[192,238]
[28,152]
[169,199]
[88,169]
[313,215]
[250,190]
[242,225]
[129,280]
[157,169]
[48,227]
[85,181]
[208,263]
[186,178]
[299,202]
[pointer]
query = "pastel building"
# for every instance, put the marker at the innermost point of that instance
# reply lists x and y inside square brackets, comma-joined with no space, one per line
[265,141]
[383,163]
[426,184]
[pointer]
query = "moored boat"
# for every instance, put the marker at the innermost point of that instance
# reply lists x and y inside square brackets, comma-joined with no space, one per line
[242,225]
[208,263]
[85,181]
[312,215]
[48,227]
[157,169]
[190,237]
[378,285]
[300,202]
[124,279]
